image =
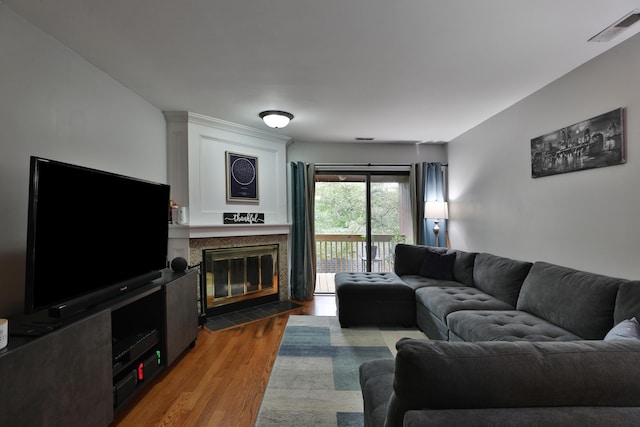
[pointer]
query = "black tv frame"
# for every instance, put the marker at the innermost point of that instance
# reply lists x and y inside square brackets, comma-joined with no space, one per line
[77,300]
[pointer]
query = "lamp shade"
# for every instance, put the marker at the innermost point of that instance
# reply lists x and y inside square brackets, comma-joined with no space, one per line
[436,210]
[276,119]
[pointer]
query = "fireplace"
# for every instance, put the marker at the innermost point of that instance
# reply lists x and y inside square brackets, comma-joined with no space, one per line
[241,271]
[236,274]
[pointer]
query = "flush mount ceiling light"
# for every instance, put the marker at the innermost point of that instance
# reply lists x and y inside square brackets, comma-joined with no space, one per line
[276,119]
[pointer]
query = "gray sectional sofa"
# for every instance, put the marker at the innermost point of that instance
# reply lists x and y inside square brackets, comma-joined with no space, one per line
[504,383]
[533,353]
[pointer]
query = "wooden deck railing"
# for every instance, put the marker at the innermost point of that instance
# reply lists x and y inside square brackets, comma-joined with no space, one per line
[347,252]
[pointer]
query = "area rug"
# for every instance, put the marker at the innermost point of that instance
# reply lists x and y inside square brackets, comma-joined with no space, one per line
[314,380]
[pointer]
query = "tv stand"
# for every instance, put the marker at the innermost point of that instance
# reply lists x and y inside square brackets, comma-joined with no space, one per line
[32,328]
[68,376]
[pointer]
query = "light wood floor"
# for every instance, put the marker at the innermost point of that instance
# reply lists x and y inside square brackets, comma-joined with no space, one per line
[221,381]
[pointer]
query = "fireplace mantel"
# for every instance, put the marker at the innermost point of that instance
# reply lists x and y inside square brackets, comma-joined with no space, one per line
[201,231]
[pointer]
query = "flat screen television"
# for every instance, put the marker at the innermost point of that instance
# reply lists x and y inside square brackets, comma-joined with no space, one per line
[91,236]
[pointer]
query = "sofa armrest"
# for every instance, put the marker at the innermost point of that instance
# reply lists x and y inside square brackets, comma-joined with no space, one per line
[457,375]
[376,383]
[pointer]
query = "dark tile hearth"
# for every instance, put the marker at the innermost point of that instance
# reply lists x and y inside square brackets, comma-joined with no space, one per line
[228,320]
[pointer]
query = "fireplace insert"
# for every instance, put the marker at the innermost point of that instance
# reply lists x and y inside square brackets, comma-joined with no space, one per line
[240,274]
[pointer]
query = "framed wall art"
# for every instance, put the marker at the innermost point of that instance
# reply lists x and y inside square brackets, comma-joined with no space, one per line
[592,143]
[242,178]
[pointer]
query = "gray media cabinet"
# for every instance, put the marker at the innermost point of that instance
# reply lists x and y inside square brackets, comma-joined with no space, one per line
[69,377]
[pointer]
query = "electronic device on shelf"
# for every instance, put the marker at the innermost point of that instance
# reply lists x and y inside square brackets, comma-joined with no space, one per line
[92,235]
[126,385]
[129,349]
[136,358]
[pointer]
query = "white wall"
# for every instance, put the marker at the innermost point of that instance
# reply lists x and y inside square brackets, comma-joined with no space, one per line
[361,152]
[197,168]
[56,105]
[586,220]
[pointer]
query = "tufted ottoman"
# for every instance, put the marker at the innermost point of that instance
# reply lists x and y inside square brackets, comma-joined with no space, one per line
[374,299]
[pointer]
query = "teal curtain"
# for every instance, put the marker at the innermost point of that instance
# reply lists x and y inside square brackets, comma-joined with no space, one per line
[427,185]
[303,246]
[416,180]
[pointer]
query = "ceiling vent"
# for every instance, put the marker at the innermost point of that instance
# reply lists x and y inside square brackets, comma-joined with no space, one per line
[619,26]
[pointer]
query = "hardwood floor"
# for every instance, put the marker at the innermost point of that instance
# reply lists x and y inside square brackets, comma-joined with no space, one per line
[221,381]
[325,283]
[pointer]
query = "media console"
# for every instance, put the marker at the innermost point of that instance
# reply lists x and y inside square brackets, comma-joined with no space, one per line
[83,370]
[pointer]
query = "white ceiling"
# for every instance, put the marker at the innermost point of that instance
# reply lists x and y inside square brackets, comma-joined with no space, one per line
[403,70]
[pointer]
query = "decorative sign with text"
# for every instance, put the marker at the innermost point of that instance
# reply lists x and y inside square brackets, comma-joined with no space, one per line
[242,218]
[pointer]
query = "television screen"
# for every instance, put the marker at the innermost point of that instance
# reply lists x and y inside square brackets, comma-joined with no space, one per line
[90,230]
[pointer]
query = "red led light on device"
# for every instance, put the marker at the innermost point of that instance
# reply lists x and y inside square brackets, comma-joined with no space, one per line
[141,371]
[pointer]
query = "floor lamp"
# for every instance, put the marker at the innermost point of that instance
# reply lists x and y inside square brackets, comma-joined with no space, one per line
[436,211]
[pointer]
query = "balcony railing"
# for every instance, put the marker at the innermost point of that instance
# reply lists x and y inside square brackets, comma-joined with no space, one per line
[348,252]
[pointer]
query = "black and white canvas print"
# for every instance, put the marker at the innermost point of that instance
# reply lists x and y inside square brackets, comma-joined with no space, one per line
[592,143]
[242,178]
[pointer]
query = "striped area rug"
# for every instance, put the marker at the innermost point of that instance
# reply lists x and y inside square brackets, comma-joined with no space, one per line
[314,381]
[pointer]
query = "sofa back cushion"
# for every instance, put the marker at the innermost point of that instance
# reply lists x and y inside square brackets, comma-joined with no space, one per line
[437,265]
[500,277]
[580,302]
[463,266]
[627,302]
[409,258]
[498,374]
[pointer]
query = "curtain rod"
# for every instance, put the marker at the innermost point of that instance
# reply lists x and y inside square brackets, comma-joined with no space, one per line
[332,166]
[363,164]
[368,164]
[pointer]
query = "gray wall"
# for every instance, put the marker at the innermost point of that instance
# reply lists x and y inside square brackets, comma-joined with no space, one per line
[588,219]
[362,152]
[56,105]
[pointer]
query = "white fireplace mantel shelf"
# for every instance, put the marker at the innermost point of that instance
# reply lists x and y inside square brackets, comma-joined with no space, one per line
[189,231]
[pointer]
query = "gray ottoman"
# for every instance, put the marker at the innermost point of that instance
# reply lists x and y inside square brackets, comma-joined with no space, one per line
[374,299]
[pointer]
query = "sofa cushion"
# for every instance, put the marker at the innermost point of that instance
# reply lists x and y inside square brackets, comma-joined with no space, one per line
[446,375]
[500,277]
[463,266]
[580,302]
[627,302]
[437,265]
[626,330]
[483,325]
[417,282]
[408,258]
[432,326]
[442,300]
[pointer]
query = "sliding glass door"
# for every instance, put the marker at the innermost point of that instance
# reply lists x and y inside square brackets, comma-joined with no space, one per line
[390,219]
[359,218]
